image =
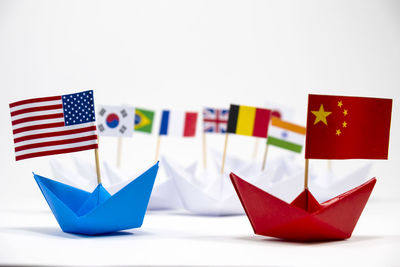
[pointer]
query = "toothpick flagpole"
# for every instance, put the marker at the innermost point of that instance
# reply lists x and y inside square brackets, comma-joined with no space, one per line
[119,152]
[265,157]
[224,155]
[306,175]
[204,151]
[255,149]
[329,165]
[96,157]
[158,148]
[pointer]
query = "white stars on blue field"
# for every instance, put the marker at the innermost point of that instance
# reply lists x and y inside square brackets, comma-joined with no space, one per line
[78,108]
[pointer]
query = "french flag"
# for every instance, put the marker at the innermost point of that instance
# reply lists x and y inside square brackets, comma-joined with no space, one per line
[178,123]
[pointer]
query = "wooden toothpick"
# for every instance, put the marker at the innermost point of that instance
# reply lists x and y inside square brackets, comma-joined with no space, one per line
[204,151]
[119,152]
[96,157]
[265,157]
[158,148]
[255,149]
[224,155]
[306,175]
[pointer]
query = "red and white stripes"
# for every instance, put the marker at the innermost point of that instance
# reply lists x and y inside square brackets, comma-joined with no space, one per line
[39,129]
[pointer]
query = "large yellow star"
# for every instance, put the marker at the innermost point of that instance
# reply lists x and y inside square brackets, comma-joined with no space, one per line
[321,115]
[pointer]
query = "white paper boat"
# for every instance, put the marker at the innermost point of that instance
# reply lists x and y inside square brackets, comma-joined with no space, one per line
[329,184]
[207,192]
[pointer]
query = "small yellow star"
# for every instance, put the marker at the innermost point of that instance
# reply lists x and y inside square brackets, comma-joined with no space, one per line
[321,115]
[340,104]
[338,132]
[344,124]
[345,112]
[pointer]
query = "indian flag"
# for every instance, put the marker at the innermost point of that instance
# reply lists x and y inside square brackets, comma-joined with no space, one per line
[286,135]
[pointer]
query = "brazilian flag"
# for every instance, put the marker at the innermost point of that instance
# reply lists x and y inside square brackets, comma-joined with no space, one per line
[144,120]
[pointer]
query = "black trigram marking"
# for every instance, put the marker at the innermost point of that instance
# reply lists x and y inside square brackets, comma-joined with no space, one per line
[101,127]
[102,112]
[124,113]
[122,129]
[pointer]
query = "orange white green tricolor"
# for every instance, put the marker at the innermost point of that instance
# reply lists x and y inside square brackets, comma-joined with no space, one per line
[286,135]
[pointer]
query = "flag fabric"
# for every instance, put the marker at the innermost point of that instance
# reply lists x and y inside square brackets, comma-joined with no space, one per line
[144,120]
[286,135]
[178,123]
[250,121]
[282,111]
[115,120]
[276,113]
[344,127]
[215,120]
[53,125]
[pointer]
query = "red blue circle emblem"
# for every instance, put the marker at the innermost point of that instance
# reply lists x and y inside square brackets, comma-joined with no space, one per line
[112,120]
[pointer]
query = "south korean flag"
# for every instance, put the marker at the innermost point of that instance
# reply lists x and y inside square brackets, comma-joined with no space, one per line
[115,120]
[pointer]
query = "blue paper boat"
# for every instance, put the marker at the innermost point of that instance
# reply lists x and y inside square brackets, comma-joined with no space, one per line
[82,212]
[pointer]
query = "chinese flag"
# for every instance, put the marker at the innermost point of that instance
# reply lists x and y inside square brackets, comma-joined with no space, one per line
[344,127]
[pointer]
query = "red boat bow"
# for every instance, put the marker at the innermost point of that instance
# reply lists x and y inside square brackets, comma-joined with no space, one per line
[304,219]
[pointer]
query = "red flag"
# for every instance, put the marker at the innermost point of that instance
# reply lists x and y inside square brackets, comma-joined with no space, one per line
[344,127]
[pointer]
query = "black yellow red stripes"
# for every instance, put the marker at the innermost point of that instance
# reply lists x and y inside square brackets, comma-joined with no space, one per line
[250,121]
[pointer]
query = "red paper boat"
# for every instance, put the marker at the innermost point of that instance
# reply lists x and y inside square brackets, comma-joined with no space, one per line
[304,219]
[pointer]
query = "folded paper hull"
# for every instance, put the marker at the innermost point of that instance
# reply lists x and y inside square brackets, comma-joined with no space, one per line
[163,197]
[82,212]
[202,193]
[304,219]
[210,193]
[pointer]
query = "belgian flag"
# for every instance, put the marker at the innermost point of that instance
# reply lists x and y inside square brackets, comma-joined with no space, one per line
[250,121]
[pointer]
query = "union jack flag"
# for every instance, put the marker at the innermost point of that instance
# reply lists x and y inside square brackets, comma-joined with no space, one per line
[215,120]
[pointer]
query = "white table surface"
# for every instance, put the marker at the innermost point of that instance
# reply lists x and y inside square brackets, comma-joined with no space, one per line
[29,235]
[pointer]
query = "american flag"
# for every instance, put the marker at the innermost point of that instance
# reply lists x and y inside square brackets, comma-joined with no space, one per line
[53,125]
[215,120]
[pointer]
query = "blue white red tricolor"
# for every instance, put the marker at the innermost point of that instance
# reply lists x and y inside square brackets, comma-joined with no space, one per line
[215,120]
[53,125]
[178,123]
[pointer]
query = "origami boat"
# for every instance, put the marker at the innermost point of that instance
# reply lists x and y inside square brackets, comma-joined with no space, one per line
[304,219]
[325,185]
[163,197]
[208,192]
[81,212]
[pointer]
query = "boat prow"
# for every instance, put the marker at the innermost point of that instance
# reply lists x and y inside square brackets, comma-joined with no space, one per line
[98,212]
[304,219]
